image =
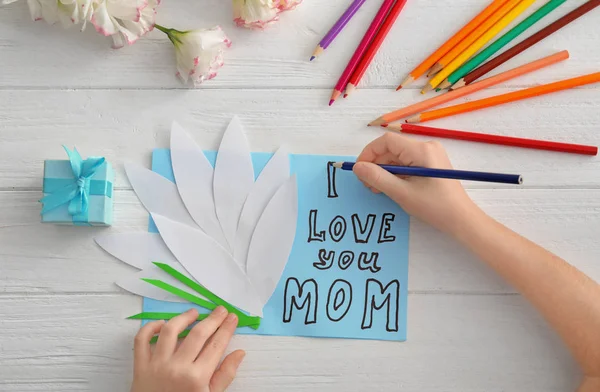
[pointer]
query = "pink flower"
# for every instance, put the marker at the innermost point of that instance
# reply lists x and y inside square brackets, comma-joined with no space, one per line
[125,21]
[199,53]
[257,14]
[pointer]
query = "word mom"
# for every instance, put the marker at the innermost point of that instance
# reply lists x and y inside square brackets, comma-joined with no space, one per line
[305,297]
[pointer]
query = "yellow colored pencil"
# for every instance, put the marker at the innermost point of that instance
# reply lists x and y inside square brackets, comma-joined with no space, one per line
[480,43]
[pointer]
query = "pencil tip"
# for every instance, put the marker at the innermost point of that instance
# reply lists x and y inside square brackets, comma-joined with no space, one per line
[345,95]
[437,90]
[398,88]
[312,58]
[385,125]
[331,101]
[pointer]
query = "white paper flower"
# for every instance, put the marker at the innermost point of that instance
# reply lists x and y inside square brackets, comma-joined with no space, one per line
[228,232]
[257,14]
[199,53]
[125,21]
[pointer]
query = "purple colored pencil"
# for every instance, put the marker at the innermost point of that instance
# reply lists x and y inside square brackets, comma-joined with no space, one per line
[337,27]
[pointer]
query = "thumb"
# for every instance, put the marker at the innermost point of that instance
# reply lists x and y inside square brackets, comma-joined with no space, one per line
[382,180]
[225,374]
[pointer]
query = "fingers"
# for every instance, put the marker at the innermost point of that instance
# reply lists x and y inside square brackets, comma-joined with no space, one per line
[215,348]
[225,374]
[376,177]
[193,343]
[167,340]
[141,343]
[391,148]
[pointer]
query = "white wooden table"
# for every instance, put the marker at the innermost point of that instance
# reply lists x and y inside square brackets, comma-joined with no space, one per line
[62,325]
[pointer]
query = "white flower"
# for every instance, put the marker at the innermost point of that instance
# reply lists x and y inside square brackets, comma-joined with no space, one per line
[67,12]
[257,14]
[218,226]
[286,5]
[199,53]
[124,20]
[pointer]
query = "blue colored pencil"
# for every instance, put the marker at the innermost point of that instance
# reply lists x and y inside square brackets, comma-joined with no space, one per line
[442,173]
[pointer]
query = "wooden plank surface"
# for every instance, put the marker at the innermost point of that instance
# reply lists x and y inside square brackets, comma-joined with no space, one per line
[274,58]
[127,125]
[81,342]
[62,325]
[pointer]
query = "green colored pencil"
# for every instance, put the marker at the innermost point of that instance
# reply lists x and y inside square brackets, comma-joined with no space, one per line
[501,42]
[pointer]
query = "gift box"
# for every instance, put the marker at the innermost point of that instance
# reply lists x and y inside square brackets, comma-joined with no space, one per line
[78,192]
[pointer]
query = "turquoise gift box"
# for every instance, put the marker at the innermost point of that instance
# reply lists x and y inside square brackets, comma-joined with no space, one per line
[78,192]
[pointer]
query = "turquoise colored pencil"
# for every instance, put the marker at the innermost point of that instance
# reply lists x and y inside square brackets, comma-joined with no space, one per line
[501,42]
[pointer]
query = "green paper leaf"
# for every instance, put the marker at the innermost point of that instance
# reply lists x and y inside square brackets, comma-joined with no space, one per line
[198,288]
[168,316]
[253,322]
[180,293]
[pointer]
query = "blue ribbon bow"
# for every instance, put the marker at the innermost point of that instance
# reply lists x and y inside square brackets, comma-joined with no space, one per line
[76,193]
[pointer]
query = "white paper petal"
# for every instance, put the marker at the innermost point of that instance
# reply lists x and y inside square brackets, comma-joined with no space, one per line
[138,249]
[194,178]
[157,194]
[234,177]
[209,264]
[273,239]
[275,173]
[135,285]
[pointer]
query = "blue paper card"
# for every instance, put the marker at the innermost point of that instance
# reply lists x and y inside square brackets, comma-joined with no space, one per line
[347,275]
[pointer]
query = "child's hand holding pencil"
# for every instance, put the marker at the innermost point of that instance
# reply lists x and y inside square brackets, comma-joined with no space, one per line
[442,203]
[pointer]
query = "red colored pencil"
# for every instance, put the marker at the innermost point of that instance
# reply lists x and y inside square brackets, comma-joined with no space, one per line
[495,139]
[360,50]
[374,46]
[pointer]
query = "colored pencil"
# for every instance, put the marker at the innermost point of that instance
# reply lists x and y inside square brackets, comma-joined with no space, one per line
[495,139]
[478,44]
[442,173]
[474,36]
[529,42]
[361,49]
[385,28]
[337,27]
[506,98]
[501,42]
[467,29]
[461,92]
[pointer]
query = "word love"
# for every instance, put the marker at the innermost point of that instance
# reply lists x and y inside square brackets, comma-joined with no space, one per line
[361,229]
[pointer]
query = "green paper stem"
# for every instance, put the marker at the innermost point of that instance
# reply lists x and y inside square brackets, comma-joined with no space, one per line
[169,316]
[180,293]
[180,336]
[206,293]
[504,40]
[253,322]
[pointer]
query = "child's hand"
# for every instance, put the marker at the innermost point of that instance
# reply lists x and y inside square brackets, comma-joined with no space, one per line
[440,202]
[194,365]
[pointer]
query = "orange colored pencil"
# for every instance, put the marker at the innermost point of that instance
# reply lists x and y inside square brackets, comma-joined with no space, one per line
[452,42]
[475,35]
[461,92]
[385,28]
[506,98]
